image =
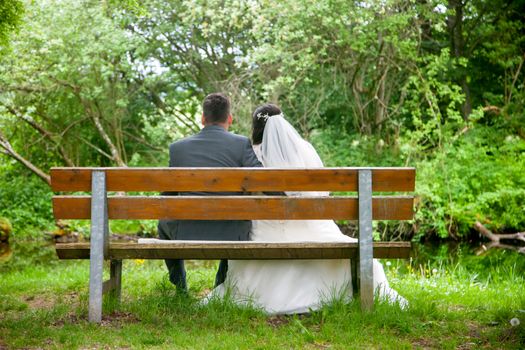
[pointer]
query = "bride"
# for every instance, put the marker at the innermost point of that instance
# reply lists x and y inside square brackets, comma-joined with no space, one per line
[288,287]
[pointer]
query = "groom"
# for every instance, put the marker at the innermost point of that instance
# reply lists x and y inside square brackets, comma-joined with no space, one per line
[213,146]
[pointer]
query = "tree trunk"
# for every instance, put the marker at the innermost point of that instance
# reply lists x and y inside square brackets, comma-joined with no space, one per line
[8,149]
[457,48]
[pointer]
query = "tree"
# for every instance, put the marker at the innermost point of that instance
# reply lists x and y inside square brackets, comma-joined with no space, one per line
[11,12]
[70,91]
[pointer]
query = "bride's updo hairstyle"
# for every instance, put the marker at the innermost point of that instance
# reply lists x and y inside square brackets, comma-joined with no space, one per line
[259,117]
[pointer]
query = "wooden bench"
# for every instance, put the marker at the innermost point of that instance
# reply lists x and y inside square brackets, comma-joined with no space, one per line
[99,208]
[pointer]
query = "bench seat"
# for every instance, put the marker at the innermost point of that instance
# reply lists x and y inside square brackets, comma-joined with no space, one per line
[213,250]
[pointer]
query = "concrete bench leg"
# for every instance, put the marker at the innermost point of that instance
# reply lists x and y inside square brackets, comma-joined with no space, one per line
[99,244]
[366,272]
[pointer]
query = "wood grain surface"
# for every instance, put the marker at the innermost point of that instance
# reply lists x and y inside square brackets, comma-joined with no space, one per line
[235,207]
[236,250]
[232,179]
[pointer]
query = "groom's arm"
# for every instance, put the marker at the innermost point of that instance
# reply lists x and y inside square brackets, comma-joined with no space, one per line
[249,159]
[171,164]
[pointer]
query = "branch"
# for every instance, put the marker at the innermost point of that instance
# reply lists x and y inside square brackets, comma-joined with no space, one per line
[8,149]
[515,78]
[142,141]
[42,131]
[24,88]
[159,103]
[98,149]
[496,238]
[96,117]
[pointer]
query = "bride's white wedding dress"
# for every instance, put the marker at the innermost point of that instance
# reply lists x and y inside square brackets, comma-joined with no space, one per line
[294,286]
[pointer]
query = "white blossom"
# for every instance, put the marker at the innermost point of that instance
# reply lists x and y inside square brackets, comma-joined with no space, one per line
[514,322]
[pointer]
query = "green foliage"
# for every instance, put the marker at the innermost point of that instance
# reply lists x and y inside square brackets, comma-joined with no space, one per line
[385,83]
[72,92]
[342,150]
[11,12]
[342,71]
[25,201]
[478,176]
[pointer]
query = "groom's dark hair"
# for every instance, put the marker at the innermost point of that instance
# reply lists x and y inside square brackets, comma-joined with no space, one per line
[259,120]
[216,108]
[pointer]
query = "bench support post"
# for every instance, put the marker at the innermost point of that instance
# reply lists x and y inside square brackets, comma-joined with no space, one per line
[354,270]
[99,244]
[116,278]
[366,272]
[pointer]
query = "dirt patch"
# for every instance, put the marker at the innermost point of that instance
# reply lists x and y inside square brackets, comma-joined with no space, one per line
[39,301]
[114,319]
[456,308]
[49,301]
[277,321]
[511,335]
[318,345]
[119,317]
[475,330]
[467,346]
[423,343]
[69,319]
[476,336]
[70,298]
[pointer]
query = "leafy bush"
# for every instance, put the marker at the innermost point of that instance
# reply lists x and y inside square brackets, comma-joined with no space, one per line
[25,200]
[474,175]
[478,177]
[350,150]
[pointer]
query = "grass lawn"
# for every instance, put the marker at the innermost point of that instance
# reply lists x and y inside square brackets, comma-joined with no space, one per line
[460,305]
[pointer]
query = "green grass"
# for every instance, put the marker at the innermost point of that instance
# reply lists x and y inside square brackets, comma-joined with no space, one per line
[43,304]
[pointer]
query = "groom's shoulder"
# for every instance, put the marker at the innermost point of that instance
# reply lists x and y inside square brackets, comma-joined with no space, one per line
[239,138]
[227,137]
[179,141]
[182,142]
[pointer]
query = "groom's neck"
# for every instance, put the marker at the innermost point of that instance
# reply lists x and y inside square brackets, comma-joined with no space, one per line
[225,126]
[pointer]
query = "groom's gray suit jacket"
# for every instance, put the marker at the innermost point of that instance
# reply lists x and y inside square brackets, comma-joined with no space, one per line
[212,147]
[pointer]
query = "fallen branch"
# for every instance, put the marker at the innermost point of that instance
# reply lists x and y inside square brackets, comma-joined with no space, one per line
[496,239]
[520,236]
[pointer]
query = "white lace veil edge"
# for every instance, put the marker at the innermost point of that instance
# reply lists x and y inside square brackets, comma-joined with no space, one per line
[283,147]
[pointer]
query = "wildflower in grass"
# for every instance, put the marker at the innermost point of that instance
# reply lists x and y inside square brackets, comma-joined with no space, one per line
[139,261]
[514,322]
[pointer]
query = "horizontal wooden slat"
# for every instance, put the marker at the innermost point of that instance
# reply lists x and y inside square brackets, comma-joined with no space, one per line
[235,208]
[236,250]
[232,179]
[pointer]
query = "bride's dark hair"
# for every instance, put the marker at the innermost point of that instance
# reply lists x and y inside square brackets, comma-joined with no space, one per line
[259,122]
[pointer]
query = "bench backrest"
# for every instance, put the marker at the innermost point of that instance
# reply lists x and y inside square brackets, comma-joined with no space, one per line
[389,207]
